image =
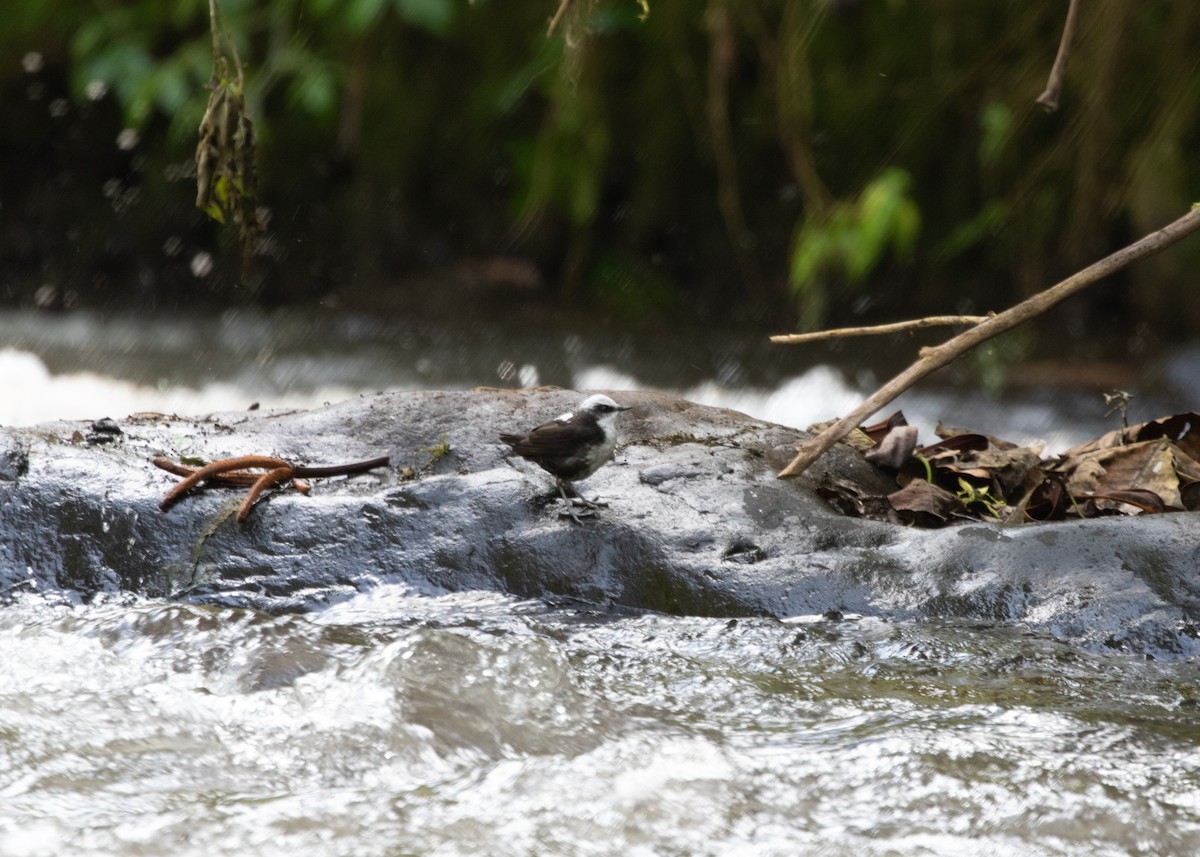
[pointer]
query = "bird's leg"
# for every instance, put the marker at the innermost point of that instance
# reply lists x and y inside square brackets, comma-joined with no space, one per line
[573,500]
[570,501]
[578,499]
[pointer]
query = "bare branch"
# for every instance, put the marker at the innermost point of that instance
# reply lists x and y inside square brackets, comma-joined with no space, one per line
[897,327]
[557,19]
[1058,72]
[935,358]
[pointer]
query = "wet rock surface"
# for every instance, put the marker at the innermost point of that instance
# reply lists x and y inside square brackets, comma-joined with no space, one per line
[697,524]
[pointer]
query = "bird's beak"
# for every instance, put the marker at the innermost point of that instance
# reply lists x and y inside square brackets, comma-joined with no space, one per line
[625,408]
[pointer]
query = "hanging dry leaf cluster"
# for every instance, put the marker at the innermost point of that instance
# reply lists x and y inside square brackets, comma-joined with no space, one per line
[226,178]
[226,174]
[1153,467]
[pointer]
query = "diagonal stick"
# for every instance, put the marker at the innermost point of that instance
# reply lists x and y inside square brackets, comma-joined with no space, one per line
[936,357]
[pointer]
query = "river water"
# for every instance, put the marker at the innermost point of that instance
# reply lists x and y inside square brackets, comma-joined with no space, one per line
[408,721]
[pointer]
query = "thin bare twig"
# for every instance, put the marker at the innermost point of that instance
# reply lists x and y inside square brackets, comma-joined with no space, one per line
[897,327]
[935,358]
[558,16]
[216,20]
[1058,72]
[339,469]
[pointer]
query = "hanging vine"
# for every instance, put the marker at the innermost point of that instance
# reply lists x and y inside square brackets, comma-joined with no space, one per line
[226,177]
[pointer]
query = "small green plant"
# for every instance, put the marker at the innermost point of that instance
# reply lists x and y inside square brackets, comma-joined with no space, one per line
[436,452]
[974,495]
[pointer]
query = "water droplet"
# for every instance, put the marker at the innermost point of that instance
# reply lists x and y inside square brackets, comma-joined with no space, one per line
[45,295]
[202,264]
[95,90]
[528,375]
[127,139]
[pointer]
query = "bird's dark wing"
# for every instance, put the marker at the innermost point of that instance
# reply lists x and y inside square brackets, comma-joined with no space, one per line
[555,447]
[553,439]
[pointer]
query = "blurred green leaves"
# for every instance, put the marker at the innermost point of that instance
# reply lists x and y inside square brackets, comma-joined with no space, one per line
[129,51]
[843,246]
[359,16]
[874,143]
[630,289]
[996,125]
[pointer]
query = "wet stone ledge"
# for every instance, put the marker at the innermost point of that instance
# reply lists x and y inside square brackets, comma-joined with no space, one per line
[697,524]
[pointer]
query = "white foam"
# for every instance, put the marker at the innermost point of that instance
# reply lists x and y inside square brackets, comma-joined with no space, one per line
[30,394]
[819,394]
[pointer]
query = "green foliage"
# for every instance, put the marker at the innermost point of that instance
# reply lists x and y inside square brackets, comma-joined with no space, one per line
[315,92]
[118,50]
[973,232]
[631,289]
[851,240]
[359,16]
[400,125]
[996,125]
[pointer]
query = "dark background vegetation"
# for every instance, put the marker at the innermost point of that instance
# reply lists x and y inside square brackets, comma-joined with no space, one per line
[774,162]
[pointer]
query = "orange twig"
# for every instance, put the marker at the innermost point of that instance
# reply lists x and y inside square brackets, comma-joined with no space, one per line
[216,468]
[231,477]
[271,477]
[238,471]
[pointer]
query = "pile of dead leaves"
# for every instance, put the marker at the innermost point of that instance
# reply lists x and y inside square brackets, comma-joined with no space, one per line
[1149,468]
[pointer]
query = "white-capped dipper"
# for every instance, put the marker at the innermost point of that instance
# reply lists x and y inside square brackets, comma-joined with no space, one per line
[573,446]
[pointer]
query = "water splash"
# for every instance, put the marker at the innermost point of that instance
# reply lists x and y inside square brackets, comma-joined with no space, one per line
[410,721]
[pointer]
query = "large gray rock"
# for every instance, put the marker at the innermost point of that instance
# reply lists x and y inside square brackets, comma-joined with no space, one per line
[698,524]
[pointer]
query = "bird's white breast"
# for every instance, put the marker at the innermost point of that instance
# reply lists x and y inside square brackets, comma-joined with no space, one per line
[601,453]
[604,451]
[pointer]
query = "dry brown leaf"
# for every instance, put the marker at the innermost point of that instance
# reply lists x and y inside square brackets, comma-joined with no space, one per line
[1145,466]
[877,431]
[1015,470]
[1139,498]
[1148,468]
[920,502]
[955,444]
[895,448]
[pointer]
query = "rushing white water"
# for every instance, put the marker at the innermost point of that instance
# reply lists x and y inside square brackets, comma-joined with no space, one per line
[406,722]
[87,366]
[30,394]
